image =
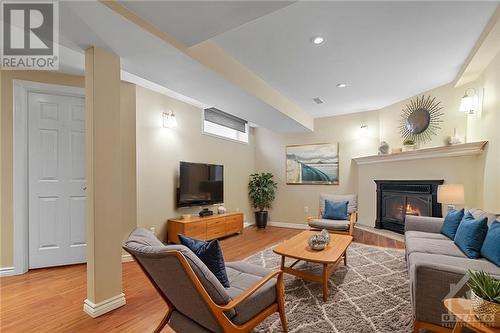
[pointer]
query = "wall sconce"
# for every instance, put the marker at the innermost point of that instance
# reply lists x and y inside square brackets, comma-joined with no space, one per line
[363,130]
[169,120]
[469,103]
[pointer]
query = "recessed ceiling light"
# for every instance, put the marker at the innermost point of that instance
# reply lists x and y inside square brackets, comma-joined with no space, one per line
[318,40]
[341,85]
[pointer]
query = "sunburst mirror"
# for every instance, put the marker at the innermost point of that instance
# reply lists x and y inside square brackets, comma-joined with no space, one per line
[420,119]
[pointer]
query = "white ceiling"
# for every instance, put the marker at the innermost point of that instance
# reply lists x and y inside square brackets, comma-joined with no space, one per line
[385,51]
[192,22]
[89,23]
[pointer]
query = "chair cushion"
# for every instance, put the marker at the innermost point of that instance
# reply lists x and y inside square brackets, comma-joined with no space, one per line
[432,246]
[329,224]
[335,210]
[470,235]
[451,223]
[423,234]
[211,255]
[243,276]
[491,245]
[352,206]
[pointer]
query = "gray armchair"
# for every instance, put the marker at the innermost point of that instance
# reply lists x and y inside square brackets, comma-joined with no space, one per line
[197,301]
[336,226]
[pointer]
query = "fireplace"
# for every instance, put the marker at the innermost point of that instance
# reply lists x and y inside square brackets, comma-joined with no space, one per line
[398,198]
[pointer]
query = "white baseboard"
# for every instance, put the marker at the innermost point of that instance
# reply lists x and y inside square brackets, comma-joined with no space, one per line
[302,226]
[7,271]
[96,310]
[127,257]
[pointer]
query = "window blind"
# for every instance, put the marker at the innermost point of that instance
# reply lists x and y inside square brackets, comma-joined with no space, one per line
[219,117]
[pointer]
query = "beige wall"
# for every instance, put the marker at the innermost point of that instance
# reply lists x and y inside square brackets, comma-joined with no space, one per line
[291,199]
[129,162]
[480,175]
[6,215]
[487,127]
[159,151]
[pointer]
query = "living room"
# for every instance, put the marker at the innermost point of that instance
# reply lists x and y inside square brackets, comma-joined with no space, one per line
[269,120]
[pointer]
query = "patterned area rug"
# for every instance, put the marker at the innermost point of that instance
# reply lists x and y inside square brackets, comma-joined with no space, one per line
[371,294]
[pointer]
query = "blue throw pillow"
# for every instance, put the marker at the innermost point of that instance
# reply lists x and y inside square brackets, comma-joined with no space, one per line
[470,235]
[451,223]
[210,254]
[491,245]
[335,210]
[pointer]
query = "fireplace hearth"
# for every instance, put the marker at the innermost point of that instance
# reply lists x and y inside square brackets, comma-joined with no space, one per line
[398,198]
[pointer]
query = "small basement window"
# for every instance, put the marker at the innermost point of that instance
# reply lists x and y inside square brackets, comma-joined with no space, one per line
[224,125]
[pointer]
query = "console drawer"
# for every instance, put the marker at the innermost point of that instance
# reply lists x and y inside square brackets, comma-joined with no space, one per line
[234,224]
[196,230]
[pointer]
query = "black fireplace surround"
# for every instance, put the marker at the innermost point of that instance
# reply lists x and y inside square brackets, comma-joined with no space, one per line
[398,198]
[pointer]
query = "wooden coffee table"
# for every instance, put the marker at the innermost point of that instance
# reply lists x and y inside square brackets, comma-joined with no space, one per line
[297,248]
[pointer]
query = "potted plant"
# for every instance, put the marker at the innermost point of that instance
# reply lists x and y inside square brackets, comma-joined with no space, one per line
[485,297]
[409,144]
[261,189]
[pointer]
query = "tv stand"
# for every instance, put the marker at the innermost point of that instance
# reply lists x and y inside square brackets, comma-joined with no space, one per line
[205,228]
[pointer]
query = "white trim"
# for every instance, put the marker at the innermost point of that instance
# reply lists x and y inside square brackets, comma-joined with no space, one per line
[302,226]
[96,310]
[248,224]
[465,149]
[20,162]
[6,271]
[127,258]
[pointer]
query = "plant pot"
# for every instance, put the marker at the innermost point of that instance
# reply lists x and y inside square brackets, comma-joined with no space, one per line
[261,219]
[486,311]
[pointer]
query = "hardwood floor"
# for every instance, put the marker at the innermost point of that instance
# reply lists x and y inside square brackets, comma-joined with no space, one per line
[51,299]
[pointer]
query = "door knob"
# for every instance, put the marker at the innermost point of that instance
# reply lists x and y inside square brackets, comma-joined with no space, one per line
[84,188]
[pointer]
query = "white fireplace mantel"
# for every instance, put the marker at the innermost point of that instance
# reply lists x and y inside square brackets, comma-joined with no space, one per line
[472,148]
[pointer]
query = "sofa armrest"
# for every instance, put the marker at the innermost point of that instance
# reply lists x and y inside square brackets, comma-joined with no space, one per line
[423,223]
[430,284]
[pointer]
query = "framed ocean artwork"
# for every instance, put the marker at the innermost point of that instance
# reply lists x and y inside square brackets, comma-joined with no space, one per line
[312,164]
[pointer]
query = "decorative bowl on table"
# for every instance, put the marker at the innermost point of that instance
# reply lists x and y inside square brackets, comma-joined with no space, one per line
[319,241]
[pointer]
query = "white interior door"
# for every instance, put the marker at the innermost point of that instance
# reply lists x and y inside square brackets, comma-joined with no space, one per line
[56,173]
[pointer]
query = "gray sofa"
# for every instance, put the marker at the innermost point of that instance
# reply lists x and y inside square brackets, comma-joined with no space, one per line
[436,267]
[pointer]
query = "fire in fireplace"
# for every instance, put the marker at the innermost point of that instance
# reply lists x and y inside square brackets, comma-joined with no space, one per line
[398,198]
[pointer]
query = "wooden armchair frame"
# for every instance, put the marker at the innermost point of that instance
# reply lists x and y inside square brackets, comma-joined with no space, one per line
[218,310]
[353,218]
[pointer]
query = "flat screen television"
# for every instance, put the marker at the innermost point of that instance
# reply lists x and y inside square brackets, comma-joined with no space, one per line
[200,184]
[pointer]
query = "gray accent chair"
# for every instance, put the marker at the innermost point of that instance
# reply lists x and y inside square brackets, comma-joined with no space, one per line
[336,226]
[437,267]
[196,300]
